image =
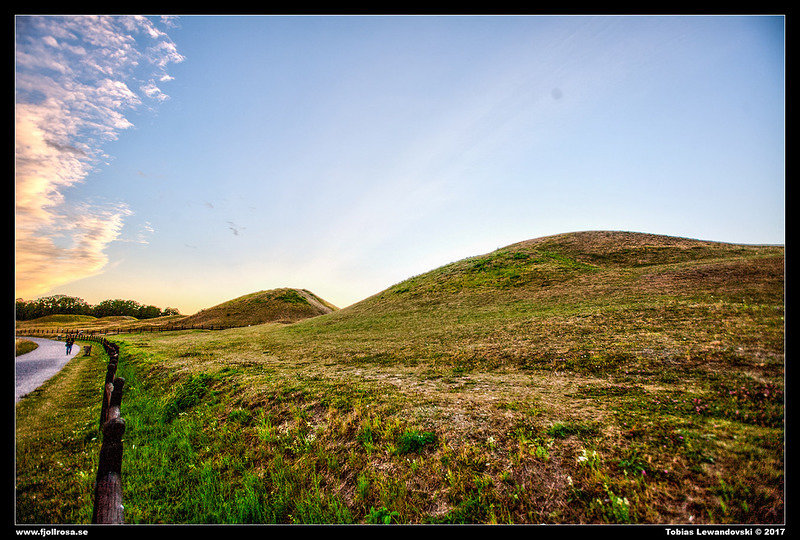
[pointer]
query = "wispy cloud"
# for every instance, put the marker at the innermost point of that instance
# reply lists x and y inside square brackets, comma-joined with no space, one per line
[76,79]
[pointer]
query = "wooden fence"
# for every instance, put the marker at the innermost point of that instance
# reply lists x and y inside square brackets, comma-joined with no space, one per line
[133,329]
[108,484]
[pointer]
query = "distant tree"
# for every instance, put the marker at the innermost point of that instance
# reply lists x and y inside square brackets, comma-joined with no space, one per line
[51,305]
[69,305]
[148,312]
[22,310]
[117,307]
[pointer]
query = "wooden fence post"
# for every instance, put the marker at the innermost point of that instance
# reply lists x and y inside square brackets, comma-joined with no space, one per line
[108,484]
[115,401]
[108,487]
[108,389]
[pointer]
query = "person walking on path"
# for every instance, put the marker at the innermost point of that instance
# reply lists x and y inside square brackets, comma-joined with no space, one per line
[70,341]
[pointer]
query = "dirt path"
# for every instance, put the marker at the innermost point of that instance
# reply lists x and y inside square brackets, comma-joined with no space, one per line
[34,368]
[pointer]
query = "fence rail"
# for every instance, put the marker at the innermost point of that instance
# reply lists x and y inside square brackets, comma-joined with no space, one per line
[140,329]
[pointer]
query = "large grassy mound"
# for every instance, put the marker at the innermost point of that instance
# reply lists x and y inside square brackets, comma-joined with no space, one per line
[559,301]
[276,305]
[601,274]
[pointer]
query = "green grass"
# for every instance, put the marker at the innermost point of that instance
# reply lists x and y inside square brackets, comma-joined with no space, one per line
[23,346]
[414,441]
[293,297]
[194,457]
[591,378]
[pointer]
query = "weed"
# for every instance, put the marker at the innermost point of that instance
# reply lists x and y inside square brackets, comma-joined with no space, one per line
[265,431]
[382,516]
[414,441]
[588,459]
[365,437]
[634,463]
[611,508]
[240,416]
[363,486]
[561,430]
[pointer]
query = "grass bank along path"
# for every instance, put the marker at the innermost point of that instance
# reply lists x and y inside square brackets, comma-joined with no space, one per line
[57,442]
[35,367]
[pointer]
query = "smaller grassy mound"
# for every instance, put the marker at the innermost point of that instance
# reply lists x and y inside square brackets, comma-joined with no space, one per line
[62,319]
[117,318]
[23,346]
[276,305]
[88,323]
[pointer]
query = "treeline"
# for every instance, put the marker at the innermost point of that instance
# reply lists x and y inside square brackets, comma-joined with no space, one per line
[68,305]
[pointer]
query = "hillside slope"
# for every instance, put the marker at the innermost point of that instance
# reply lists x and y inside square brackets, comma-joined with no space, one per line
[276,305]
[584,265]
[565,294]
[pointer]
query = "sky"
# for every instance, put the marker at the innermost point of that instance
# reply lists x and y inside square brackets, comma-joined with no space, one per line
[182,161]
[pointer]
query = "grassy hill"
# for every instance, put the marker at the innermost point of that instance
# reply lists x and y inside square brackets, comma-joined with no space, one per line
[24,346]
[276,305]
[75,322]
[581,261]
[590,377]
[552,299]
[60,319]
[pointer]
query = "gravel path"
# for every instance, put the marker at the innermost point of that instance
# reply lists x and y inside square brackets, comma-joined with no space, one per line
[35,367]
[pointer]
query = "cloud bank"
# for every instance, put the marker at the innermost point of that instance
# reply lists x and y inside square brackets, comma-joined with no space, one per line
[76,79]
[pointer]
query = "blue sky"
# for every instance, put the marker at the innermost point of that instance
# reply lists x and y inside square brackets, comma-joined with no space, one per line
[205,157]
